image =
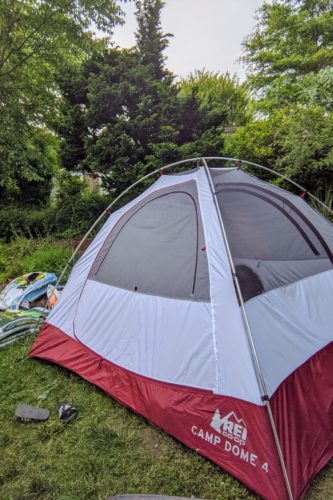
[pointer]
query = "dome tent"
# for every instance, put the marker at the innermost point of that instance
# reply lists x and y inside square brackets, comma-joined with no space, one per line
[205,305]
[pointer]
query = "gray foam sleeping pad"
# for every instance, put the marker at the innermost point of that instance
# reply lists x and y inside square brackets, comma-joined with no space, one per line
[26,413]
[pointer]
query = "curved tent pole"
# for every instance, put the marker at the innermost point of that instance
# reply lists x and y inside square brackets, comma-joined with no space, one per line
[237,286]
[277,174]
[166,167]
[106,210]
[259,372]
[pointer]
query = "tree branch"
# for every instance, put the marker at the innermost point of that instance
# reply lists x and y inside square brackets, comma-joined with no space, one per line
[17,49]
[13,68]
[15,17]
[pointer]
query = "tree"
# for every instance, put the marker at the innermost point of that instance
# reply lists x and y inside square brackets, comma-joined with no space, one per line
[38,40]
[298,144]
[210,102]
[131,111]
[151,42]
[258,141]
[28,158]
[292,42]
[49,29]
[307,143]
[290,62]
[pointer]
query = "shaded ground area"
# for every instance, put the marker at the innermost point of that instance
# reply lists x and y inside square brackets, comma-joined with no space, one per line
[108,450]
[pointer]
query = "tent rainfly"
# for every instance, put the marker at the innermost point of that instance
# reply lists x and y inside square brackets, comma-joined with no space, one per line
[206,305]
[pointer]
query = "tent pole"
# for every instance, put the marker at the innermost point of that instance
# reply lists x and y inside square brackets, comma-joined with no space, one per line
[277,174]
[181,162]
[154,172]
[105,212]
[255,357]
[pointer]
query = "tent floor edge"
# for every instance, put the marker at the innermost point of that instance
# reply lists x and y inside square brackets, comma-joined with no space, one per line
[305,417]
[232,433]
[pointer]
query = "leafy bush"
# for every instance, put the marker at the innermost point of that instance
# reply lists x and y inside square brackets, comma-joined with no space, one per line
[72,212]
[76,210]
[12,256]
[26,255]
[48,258]
[17,221]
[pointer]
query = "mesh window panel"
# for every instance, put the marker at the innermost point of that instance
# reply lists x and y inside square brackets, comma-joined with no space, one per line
[274,241]
[158,247]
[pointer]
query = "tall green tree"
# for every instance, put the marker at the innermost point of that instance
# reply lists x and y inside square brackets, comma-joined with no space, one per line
[151,41]
[291,45]
[131,113]
[290,64]
[39,39]
[210,102]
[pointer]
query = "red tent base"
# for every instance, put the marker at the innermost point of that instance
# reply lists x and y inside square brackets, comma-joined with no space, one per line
[242,445]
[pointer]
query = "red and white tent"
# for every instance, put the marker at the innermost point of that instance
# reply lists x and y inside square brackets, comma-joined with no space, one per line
[206,305]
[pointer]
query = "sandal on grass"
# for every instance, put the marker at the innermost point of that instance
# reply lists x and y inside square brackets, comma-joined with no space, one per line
[67,412]
[27,413]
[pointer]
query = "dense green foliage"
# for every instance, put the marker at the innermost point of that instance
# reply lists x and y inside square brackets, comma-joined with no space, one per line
[132,117]
[125,117]
[68,100]
[119,108]
[208,103]
[73,210]
[128,104]
[290,61]
[298,143]
[24,255]
[290,51]
[39,40]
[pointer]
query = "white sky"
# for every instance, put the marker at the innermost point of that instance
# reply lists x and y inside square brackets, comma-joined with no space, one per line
[207,33]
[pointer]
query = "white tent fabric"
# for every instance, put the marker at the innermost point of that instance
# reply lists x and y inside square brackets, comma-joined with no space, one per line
[185,361]
[144,330]
[290,324]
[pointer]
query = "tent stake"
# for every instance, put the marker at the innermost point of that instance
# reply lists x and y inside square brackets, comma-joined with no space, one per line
[260,376]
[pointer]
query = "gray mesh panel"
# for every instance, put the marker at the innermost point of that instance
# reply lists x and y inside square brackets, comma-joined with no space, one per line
[275,238]
[158,248]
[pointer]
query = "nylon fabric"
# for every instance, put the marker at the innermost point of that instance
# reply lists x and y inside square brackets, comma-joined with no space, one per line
[235,373]
[290,324]
[303,411]
[190,415]
[274,236]
[139,332]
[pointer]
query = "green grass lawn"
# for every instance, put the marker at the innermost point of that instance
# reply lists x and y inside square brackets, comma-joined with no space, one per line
[107,450]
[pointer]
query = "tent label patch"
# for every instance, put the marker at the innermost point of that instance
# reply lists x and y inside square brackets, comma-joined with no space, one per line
[232,428]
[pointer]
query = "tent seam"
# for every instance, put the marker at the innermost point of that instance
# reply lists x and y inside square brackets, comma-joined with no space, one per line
[212,308]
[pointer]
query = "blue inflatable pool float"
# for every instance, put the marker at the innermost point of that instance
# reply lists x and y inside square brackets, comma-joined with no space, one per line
[28,288]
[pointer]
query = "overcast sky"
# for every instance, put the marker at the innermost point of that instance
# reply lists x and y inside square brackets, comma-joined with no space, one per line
[207,33]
